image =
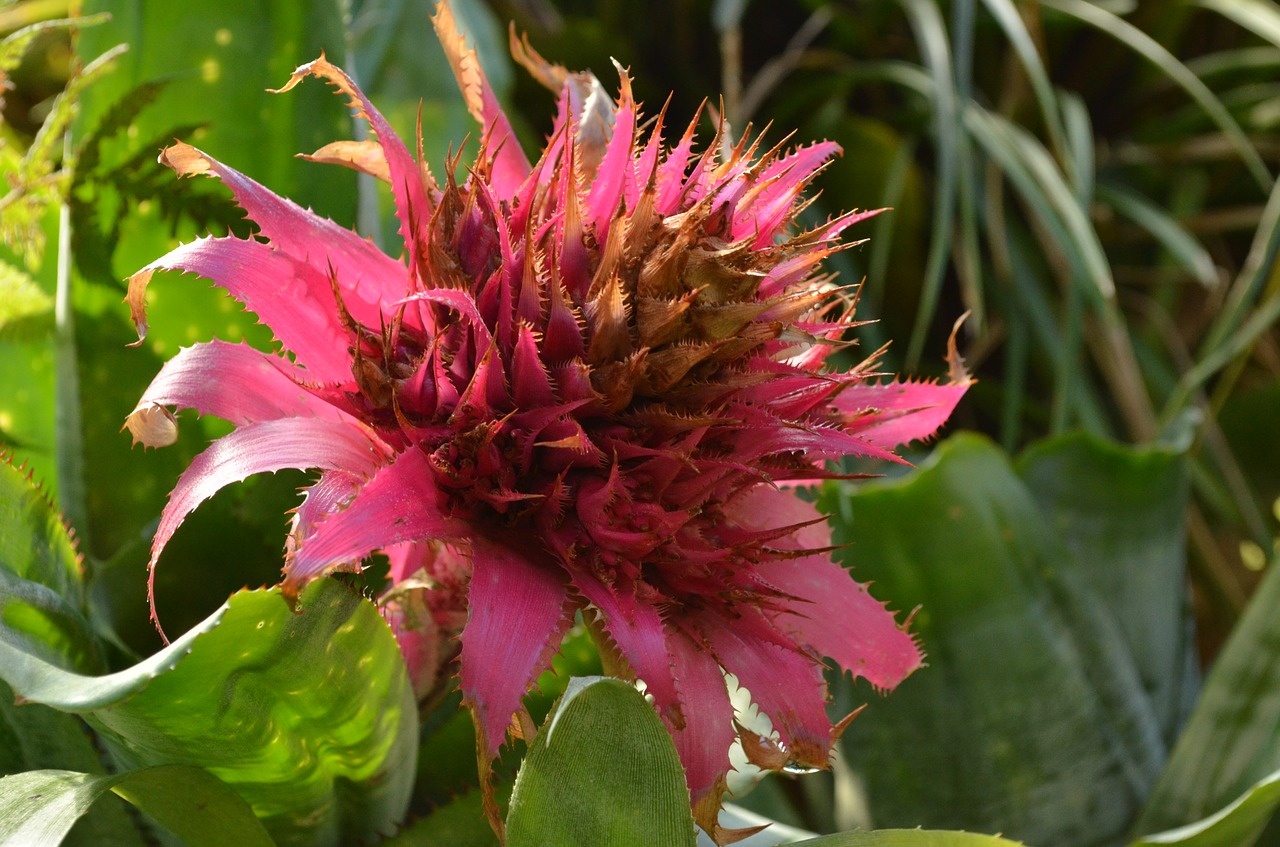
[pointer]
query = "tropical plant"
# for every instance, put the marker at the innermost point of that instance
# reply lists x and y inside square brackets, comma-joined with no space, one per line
[1092,181]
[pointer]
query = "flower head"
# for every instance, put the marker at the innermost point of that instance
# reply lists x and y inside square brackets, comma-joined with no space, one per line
[585,386]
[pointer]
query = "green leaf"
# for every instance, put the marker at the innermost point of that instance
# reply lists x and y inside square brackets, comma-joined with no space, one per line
[41,609]
[1151,50]
[1258,17]
[309,716]
[1036,176]
[603,770]
[907,838]
[38,808]
[34,737]
[1120,513]
[1162,226]
[1047,709]
[15,44]
[1009,19]
[1231,743]
[1237,825]
[931,35]
[41,596]
[26,312]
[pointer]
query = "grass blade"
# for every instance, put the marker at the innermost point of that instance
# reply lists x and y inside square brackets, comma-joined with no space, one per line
[1261,19]
[1015,29]
[1181,245]
[931,36]
[1151,50]
[1230,740]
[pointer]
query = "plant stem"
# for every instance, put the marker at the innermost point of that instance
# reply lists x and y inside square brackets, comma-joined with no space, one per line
[69,440]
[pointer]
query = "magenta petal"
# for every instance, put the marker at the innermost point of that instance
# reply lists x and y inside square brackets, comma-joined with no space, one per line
[672,171]
[237,383]
[842,621]
[834,615]
[704,741]
[412,206]
[782,182]
[461,302]
[510,166]
[291,297]
[785,684]
[638,632]
[329,494]
[607,187]
[529,380]
[400,503]
[366,275]
[266,447]
[896,413]
[518,612]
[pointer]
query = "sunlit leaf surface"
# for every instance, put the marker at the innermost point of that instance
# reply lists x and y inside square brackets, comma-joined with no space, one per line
[307,715]
[37,808]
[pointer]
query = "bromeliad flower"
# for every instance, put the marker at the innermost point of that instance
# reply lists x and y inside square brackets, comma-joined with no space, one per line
[585,386]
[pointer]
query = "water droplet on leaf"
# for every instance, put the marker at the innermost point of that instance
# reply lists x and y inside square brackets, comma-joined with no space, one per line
[794,768]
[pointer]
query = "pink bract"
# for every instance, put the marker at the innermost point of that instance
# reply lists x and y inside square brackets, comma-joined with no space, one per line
[581,388]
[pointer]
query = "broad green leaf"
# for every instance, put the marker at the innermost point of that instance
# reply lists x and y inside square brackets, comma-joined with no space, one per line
[1051,735]
[38,808]
[1120,513]
[907,838]
[1232,740]
[1239,824]
[603,770]
[308,715]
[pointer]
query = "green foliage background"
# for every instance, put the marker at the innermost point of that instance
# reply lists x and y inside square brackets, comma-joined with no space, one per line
[1093,181]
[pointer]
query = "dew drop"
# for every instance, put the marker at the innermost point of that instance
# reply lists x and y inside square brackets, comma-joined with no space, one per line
[794,768]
